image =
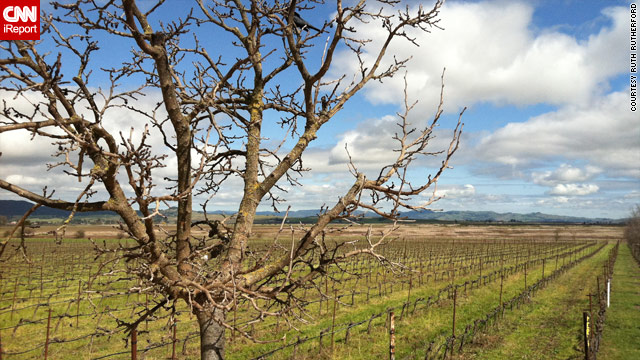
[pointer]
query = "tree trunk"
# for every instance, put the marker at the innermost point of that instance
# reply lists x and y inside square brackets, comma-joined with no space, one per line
[211,335]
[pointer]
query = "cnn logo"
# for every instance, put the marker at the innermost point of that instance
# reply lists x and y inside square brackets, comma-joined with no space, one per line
[20,20]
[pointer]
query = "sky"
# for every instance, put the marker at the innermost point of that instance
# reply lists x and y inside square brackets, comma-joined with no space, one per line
[548,126]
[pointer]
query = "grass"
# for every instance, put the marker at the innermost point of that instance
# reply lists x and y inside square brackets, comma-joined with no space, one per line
[65,265]
[550,326]
[413,333]
[621,338]
[62,269]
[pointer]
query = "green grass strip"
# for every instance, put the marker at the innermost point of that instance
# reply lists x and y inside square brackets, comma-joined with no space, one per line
[622,326]
[550,326]
[414,331]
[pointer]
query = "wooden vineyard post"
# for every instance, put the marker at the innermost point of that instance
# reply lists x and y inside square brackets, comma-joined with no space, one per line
[333,318]
[452,271]
[591,310]
[173,341]
[392,336]
[235,319]
[501,282]
[1,283]
[146,308]
[525,275]
[41,279]
[455,297]
[543,261]
[586,319]
[326,290]
[78,305]
[46,342]
[134,344]
[15,293]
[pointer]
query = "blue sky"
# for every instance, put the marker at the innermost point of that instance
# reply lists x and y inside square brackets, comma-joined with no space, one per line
[548,126]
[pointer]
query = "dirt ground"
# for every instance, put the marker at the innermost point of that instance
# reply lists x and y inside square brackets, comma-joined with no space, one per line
[429,232]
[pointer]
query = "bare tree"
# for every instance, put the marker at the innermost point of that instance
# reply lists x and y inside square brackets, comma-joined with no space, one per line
[214,106]
[632,232]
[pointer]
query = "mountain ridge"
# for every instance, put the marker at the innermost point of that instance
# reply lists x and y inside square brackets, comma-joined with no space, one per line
[13,209]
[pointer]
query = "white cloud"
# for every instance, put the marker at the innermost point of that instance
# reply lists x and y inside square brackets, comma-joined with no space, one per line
[25,158]
[24,180]
[554,201]
[369,145]
[603,133]
[492,54]
[455,192]
[19,148]
[574,189]
[566,173]
[372,145]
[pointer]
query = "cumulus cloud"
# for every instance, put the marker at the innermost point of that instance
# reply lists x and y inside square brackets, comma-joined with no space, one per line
[574,189]
[27,180]
[566,173]
[456,192]
[25,158]
[603,133]
[553,201]
[371,145]
[506,59]
[21,149]
[493,54]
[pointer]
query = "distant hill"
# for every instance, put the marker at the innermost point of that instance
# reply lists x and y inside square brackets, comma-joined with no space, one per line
[484,216]
[466,216]
[14,209]
[17,208]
